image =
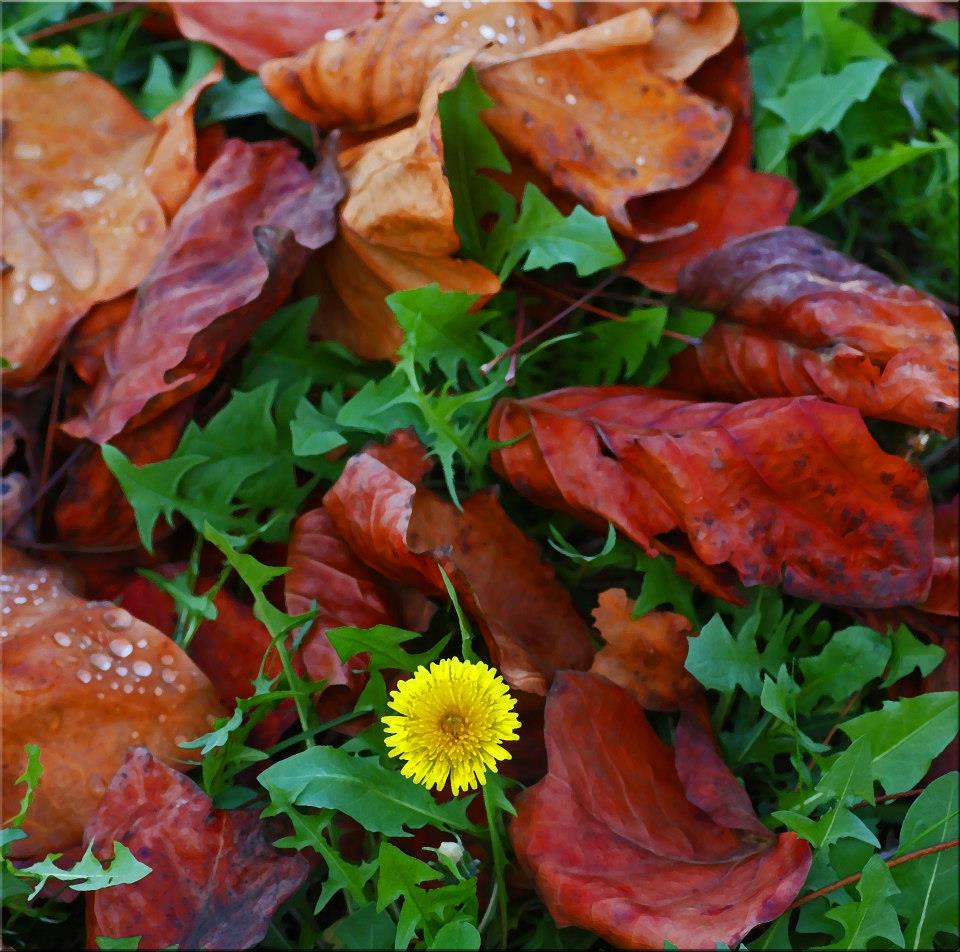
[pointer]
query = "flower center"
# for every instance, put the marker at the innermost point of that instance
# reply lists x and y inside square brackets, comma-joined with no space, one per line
[453,725]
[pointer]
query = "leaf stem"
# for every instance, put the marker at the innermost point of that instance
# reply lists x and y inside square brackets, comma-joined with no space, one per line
[77,22]
[890,863]
[499,891]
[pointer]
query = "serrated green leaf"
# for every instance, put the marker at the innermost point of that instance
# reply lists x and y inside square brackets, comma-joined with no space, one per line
[909,654]
[161,90]
[383,643]
[906,735]
[366,928]
[459,934]
[380,800]
[126,942]
[88,874]
[719,661]
[313,432]
[874,916]
[851,658]
[31,776]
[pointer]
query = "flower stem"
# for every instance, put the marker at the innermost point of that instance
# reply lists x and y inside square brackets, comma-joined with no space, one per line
[499,892]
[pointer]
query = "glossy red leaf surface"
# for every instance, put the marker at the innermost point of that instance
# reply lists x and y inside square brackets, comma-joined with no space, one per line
[407,532]
[791,491]
[230,258]
[216,881]
[615,845]
[252,33]
[800,318]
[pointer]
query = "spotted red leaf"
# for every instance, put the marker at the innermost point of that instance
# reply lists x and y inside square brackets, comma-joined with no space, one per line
[784,490]
[615,844]
[800,318]
[407,532]
[216,881]
[230,258]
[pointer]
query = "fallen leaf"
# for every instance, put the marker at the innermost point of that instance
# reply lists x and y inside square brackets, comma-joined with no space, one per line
[231,256]
[172,167]
[407,533]
[94,333]
[84,681]
[80,222]
[801,318]
[391,58]
[614,844]
[644,655]
[216,881]
[727,201]
[930,9]
[943,596]
[793,490]
[353,277]
[682,43]
[325,572]
[604,126]
[253,33]
[93,510]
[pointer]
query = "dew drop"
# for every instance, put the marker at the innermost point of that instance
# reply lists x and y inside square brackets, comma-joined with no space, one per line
[28,150]
[331,36]
[122,671]
[91,197]
[142,669]
[117,618]
[96,785]
[570,99]
[168,676]
[487,32]
[84,676]
[101,661]
[41,281]
[121,647]
[142,643]
[62,639]
[128,689]
[166,659]
[110,181]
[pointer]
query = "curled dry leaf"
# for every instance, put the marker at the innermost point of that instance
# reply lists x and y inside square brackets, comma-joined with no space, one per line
[92,510]
[172,169]
[81,223]
[945,589]
[84,681]
[325,572]
[391,58]
[408,533]
[216,881]
[682,42]
[791,490]
[615,844]
[253,33]
[645,655]
[93,335]
[230,258]
[801,318]
[353,277]
[727,201]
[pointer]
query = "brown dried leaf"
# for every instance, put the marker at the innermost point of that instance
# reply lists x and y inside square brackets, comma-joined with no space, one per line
[84,681]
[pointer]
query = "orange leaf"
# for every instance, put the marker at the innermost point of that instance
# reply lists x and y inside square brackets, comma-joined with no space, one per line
[801,318]
[80,222]
[619,842]
[84,681]
[232,254]
[791,490]
[252,33]
[216,881]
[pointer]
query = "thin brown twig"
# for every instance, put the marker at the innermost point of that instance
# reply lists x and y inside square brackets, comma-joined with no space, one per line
[77,22]
[519,325]
[889,796]
[890,863]
[60,473]
[833,730]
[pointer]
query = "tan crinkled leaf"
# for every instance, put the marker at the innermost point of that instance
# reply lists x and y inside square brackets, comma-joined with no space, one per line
[85,681]
[80,222]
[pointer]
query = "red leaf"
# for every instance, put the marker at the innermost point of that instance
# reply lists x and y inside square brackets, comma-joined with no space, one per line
[406,532]
[230,258]
[791,490]
[727,201]
[615,845]
[252,33]
[800,318]
[943,596]
[216,880]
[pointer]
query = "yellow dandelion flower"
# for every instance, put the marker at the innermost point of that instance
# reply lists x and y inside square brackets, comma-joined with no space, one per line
[451,722]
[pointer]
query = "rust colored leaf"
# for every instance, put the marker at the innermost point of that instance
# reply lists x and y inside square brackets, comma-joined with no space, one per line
[681,43]
[325,571]
[172,169]
[85,680]
[253,33]
[92,510]
[353,277]
[408,532]
[792,490]
[930,9]
[945,589]
[615,845]
[80,222]
[232,254]
[801,318]
[216,880]
[93,335]
[391,58]
[727,201]
[604,126]
[645,655]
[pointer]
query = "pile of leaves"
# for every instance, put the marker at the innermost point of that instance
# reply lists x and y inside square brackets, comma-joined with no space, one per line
[608,343]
